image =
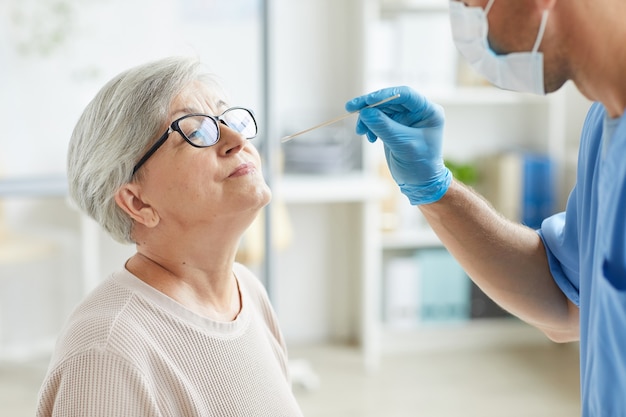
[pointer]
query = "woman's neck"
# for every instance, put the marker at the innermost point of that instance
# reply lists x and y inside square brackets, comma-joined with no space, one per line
[208,291]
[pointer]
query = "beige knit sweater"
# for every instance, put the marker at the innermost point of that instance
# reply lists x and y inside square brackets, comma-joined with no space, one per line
[129,350]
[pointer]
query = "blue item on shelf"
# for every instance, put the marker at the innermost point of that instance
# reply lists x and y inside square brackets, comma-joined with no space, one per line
[444,287]
[537,189]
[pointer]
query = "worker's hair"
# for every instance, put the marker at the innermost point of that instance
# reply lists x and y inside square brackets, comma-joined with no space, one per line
[115,129]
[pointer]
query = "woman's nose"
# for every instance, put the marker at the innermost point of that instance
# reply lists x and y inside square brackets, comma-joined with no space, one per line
[230,141]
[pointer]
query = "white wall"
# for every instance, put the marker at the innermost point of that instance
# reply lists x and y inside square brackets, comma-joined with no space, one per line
[44,87]
[46,83]
[43,93]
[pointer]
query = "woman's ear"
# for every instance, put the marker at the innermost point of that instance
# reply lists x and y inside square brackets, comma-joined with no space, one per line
[128,198]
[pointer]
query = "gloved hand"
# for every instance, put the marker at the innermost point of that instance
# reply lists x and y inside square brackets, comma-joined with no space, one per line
[411,129]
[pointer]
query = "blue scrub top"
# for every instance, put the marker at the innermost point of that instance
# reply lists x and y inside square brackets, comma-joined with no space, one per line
[586,248]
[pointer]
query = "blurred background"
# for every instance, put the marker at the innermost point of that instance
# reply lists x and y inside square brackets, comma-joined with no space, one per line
[380,318]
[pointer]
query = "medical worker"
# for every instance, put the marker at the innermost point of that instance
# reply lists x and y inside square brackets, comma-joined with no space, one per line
[568,278]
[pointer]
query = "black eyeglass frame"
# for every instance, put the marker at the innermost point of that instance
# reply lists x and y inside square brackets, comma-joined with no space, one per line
[174,127]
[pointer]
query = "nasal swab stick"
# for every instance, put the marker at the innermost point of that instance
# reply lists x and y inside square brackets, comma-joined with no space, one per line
[337,119]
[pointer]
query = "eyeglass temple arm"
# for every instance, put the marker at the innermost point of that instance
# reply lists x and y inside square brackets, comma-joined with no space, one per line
[153,149]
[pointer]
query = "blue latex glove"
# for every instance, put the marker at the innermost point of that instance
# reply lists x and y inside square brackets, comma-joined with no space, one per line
[411,129]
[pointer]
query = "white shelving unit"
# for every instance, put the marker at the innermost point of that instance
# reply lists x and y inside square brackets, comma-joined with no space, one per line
[416,238]
[479,120]
[340,273]
[346,188]
[350,203]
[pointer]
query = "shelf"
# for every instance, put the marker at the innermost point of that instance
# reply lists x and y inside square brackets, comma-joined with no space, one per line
[410,239]
[470,334]
[465,96]
[319,189]
[53,185]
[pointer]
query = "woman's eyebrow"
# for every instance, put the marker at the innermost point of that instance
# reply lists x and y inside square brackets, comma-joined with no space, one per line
[184,111]
[221,105]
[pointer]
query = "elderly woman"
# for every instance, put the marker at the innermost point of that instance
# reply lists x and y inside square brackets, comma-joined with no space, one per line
[159,159]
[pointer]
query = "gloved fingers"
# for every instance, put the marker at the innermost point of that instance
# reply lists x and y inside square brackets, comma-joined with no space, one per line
[371,98]
[361,129]
[408,99]
[371,137]
[410,109]
[380,125]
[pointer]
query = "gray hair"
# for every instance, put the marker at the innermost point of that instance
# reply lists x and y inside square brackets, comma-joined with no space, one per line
[115,129]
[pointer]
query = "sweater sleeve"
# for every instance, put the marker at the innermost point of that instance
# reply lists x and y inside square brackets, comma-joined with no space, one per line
[96,383]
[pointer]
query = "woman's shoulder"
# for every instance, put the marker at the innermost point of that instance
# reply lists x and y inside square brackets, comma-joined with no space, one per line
[103,304]
[91,322]
[247,278]
[251,287]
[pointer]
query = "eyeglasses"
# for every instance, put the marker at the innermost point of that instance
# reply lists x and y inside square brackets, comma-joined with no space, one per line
[202,130]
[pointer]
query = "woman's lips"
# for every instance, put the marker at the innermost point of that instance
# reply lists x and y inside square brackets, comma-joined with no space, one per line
[243,169]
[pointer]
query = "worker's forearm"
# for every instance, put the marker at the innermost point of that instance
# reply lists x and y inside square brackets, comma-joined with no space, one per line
[505,259]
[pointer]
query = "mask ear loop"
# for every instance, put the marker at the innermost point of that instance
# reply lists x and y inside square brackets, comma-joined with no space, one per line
[542,29]
[488,6]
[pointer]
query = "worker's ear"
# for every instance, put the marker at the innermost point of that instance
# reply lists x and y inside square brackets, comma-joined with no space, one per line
[128,198]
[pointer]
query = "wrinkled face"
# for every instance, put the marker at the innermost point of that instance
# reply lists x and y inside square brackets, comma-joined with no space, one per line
[190,187]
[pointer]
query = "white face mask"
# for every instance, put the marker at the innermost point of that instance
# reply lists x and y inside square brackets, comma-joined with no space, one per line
[518,71]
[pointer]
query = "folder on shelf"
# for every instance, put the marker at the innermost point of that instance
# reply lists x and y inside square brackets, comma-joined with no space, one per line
[520,185]
[444,287]
[401,294]
[538,191]
[428,287]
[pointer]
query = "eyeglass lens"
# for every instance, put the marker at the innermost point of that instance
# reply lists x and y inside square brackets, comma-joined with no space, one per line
[240,120]
[203,131]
